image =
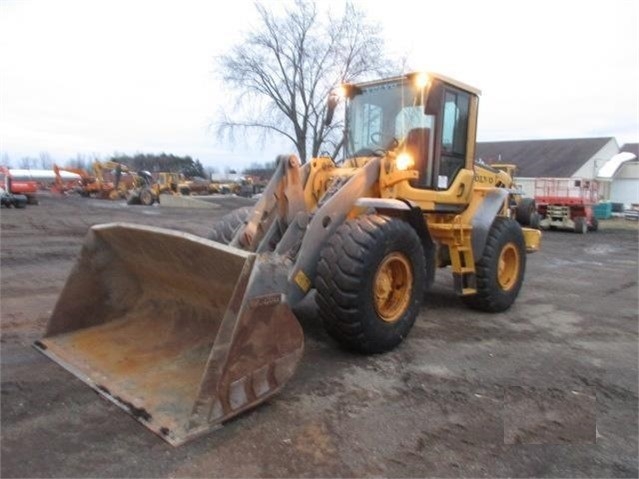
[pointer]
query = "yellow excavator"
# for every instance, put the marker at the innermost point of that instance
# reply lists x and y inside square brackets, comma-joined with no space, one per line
[185,332]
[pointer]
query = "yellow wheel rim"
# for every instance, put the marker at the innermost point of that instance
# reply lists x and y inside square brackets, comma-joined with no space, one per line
[393,285]
[508,267]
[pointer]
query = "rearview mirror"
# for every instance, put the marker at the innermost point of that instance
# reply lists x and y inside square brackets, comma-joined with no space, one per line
[331,104]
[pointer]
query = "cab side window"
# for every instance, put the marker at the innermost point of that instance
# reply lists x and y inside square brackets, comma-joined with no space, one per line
[367,124]
[454,132]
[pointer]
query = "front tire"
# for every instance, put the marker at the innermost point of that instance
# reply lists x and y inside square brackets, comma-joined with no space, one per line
[133,198]
[370,283]
[224,230]
[146,197]
[500,271]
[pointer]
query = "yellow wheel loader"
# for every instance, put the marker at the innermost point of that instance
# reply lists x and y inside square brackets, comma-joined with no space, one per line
[185,332]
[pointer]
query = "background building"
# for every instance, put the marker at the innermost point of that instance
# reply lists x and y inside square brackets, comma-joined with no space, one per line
[570,158]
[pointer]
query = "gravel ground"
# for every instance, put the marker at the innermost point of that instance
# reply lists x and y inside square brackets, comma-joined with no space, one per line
[546,389]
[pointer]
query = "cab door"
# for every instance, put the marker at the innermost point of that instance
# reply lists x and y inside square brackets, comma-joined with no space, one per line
[453,135]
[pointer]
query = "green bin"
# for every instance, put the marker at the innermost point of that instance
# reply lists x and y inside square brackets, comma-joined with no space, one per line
[603,211]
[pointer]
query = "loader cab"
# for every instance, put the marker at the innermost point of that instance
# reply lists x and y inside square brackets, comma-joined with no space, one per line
[428,120]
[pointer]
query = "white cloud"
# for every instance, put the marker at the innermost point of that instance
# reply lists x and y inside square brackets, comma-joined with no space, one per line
[546,68]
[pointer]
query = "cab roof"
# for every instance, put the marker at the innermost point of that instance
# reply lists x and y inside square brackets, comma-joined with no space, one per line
[406,76]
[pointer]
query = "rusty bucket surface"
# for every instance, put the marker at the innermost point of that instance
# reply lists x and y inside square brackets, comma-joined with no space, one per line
[181,332]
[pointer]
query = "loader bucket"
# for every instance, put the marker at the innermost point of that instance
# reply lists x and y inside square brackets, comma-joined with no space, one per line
[181,332]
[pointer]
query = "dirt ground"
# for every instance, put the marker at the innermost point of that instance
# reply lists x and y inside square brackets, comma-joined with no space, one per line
[547,389]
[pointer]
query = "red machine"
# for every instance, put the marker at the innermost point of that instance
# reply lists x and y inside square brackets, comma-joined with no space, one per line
[28,188]
[566,203]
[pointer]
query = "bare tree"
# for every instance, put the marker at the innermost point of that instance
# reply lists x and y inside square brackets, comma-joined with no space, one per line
[283,71]
[80,161]
[45,160]
[28,162]
[6,160]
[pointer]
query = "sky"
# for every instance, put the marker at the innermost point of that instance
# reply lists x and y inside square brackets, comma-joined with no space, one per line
[96,77]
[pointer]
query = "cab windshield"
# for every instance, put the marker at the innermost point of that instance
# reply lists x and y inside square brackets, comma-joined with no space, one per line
[379,117]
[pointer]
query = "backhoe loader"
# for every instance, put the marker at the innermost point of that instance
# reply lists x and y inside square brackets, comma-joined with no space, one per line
[123,178]
[149,191]
[185,332]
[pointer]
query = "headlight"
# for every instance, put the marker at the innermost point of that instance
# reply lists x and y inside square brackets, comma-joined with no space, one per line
[404,161]
[422,80]
[341,91]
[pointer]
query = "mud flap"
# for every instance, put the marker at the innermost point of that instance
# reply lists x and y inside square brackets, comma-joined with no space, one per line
[181,332]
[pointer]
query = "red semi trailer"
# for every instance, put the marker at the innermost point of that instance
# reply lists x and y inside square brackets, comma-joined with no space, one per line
[19,186]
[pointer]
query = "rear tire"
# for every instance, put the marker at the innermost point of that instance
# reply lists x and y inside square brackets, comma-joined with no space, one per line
[370,283]
[525,209]
[224,230]
[535,219]
[500,271]
[594,224]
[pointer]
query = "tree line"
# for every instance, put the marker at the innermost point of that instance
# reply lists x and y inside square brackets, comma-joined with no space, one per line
[142,161]
[162,162]
[151,162]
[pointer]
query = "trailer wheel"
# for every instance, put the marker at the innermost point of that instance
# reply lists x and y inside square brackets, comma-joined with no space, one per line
[20,201]
[224,229]
[594,224]
[500,271]
[370,283]
[525,209]
[581,225]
